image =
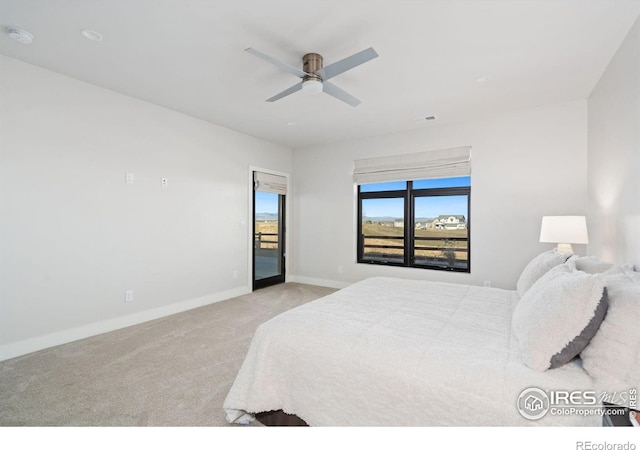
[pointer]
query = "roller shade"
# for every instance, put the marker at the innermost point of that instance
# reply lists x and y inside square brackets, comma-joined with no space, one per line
[266,182]
[450,162]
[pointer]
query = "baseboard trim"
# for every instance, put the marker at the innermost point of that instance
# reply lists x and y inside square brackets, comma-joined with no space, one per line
[35,344]
[318,282]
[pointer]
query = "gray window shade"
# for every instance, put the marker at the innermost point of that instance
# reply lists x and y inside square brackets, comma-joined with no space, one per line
[450,162]
[266,182]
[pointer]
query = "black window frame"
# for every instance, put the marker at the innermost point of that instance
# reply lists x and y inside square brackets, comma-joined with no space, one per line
[409,195]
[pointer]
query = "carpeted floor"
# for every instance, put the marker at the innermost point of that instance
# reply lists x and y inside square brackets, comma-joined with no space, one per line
[174,371]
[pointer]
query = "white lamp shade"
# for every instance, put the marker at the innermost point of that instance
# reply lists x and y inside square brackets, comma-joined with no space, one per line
[564,229]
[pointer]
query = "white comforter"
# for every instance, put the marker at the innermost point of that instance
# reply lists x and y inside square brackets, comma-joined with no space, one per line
[386,351]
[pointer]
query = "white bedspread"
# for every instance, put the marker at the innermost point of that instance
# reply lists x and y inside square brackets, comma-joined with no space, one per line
[386,351]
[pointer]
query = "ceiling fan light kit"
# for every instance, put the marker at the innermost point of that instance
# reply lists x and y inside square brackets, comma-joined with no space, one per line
[314,77]
[312,86]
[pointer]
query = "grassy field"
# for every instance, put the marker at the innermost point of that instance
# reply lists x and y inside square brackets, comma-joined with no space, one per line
[268,227]
[439,239]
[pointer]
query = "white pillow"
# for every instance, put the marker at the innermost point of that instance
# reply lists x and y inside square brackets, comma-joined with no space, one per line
[557,316]
[537,267]
[613,355]
[590,264]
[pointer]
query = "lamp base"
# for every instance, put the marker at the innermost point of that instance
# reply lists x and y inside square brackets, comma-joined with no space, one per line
[565,248]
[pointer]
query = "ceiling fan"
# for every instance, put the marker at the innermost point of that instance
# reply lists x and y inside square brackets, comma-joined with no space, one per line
[315,77]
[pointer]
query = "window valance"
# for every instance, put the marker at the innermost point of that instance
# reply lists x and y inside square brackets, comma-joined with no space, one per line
[267,182]
[451,162]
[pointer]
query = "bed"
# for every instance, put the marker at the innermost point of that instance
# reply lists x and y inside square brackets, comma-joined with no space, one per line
[393,352]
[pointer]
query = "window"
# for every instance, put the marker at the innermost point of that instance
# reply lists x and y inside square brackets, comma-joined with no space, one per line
[414,209]
[421,223]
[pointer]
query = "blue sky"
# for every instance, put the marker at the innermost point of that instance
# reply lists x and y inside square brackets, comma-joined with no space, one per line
[435,206]
[417,184]
[424,207]
[266,202]
[383,207]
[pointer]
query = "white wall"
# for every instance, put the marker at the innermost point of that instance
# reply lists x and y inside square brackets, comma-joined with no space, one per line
[614,157]
[525,164]
[74,236]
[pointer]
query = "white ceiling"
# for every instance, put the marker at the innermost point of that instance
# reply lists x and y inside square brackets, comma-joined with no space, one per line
[188,55]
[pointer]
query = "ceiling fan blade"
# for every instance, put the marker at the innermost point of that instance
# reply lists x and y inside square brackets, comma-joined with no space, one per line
[275,62]
[347,63]
[291,90]
[338,93]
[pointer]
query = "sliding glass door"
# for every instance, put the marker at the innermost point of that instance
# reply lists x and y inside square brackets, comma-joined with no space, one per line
[268,231]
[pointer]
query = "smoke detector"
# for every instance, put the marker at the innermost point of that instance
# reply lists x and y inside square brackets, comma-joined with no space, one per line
[22,36]
[92,35]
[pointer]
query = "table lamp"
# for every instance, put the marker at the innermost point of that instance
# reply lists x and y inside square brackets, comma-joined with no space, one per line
[564,231]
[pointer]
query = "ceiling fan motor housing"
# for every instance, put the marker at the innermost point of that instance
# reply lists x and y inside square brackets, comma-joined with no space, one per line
[311,63]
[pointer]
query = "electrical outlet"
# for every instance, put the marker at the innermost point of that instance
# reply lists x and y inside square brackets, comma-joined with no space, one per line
[487,283]
[235,274]
[128,178]
[340,269]
[128,296]
[164,182]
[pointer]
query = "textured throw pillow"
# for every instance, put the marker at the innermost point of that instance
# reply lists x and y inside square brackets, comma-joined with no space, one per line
[613,355]
[537,267]
[557,317]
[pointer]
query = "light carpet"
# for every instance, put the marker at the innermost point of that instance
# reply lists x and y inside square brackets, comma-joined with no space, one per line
[174,371]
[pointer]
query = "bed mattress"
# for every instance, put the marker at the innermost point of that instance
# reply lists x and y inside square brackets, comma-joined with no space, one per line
[392,352]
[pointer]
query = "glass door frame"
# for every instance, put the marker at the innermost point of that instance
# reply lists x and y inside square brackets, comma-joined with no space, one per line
[279,278]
